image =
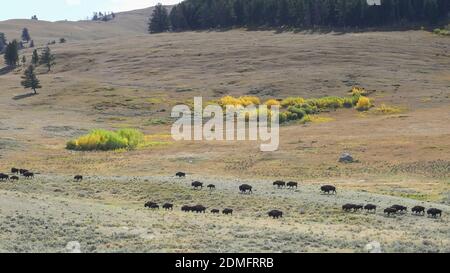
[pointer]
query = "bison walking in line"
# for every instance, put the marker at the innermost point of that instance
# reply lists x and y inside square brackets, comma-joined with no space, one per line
[168,206]
[14,171]
[419,210]
[22,171]
[180,175]
[433,212]
[279,184]
[390,211]
[292,185]
[400,208]
[328,189]
[275,214]
[14,178]
[227,211]
[348,207]
[245,188]
[28,175]
[197,184]
[4,176]
[211,187]
[370,207]
[149,204]
[215,211]
[199,209]
[186,208]
[78,178]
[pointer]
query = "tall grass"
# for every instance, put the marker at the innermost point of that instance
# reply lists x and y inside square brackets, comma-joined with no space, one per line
[103,140]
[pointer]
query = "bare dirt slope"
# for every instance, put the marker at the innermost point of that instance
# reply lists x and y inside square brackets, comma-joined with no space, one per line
[113,75]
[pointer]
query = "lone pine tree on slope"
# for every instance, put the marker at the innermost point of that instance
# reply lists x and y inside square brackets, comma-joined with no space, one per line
[47,59]
[29,79]
[159,22]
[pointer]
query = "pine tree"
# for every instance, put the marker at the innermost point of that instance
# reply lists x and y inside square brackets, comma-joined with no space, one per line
[26,35]
[47,59]
[12,53]
[159,21]
[2,42]
[35,58]
[24,60]
[29,79]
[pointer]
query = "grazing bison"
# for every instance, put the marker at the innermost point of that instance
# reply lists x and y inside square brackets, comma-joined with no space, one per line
[418,210]
[211,187]
[275,214]
[168,206]
[433,212]
[28,175]
[180,175]
[14,178]
[292,185]
[186,208]
[197,184]
[279,184]
[358,207]
[370,207]
[246,188]
[22,171]
[78,178]
[215,211]
[227,211]
[14,171]
[328,189]
[400,208]
[4,176]
[390,211]
[199,209]
[348,207]
[149,204]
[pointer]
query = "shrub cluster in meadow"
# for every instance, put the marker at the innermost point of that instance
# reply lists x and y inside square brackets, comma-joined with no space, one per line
[103,140]
[300,109]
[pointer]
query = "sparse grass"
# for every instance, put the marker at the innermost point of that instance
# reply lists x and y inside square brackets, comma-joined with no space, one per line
[388,110]
[442,31]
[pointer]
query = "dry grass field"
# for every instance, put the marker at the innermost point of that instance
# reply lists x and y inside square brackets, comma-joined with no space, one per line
[113,75]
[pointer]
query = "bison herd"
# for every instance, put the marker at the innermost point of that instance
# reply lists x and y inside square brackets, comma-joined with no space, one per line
[393,210]
[15,175]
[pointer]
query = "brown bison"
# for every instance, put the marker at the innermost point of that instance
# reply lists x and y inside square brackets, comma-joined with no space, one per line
[390,211]
[4,176]
[14,178]
[358,207]
[180,175]
[275,214]
[328,189]
[348,207]
[28,175]
[168,206]
[246,188]
[199,209]
[418,210]
[227,211]
[215,211]
[292,185]
[14,171]
[186,208]
[149,204]
[279,184]
[78,178]
[22,171]
[211,187]
[197,184]
[370,207]
[433,212]
[400,208]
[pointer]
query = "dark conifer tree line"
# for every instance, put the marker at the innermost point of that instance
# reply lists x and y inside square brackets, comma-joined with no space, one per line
[205,14]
